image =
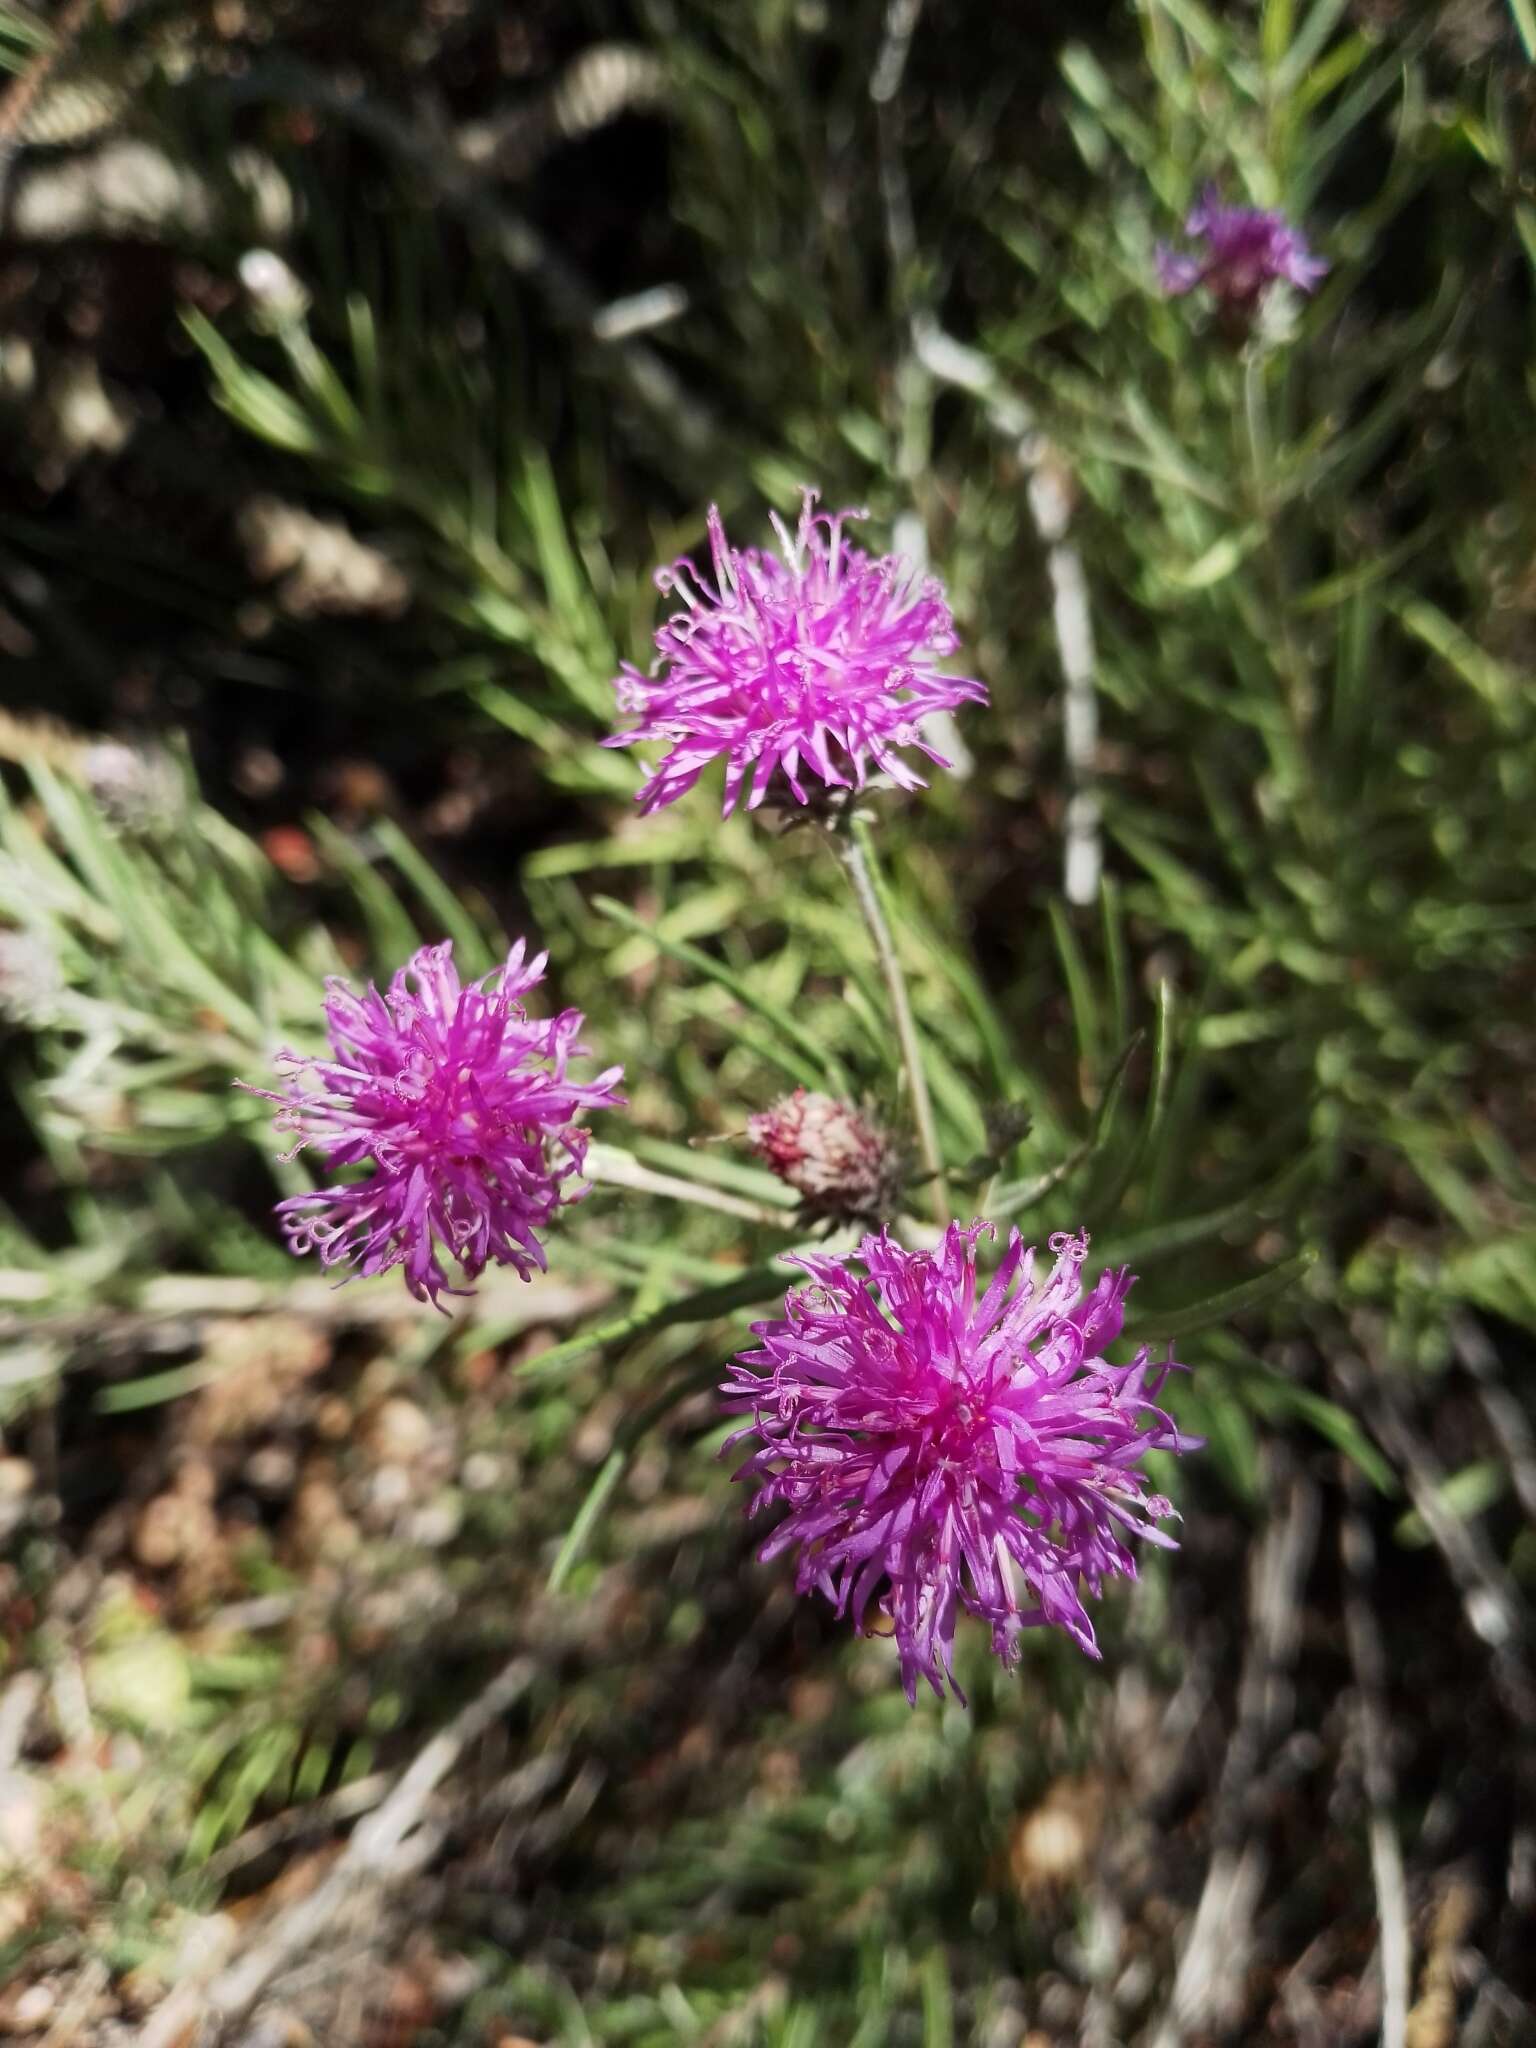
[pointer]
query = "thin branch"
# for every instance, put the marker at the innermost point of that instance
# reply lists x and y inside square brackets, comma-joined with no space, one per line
[17,1704]
[912,383]
[901,19]
[1050,505]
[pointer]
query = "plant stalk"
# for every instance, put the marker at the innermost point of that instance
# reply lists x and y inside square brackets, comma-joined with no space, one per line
[854,847]
[609,1166]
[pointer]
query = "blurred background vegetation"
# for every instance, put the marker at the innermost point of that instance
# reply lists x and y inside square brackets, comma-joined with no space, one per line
[356,367]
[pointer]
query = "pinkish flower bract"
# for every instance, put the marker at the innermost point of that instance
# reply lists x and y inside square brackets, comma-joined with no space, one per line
[1247,249]
[821,664]
[461,1104]
[835,1158]
[939,1453]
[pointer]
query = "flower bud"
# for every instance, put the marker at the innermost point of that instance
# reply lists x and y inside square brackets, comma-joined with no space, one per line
[834,1158]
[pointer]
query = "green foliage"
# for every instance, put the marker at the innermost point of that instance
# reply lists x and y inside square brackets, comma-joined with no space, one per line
[1280,1068]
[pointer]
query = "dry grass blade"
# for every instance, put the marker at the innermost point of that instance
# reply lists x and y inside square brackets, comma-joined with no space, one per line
[1368,1662]
[389,1846]
[1488,1598]
[1207,1989]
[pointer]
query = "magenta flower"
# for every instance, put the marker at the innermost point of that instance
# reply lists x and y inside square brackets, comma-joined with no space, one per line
[1246,251]
[821,664]
[936,1452]
[460,1103]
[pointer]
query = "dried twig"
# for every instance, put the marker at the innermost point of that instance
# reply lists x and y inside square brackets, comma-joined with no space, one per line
[1049,496]
[935,357]
[1506,1418]
[391,1844]
[346,1803]
[78,2009]
[1489,1600]
[1207,1985]
[597,86]
[1368,1661]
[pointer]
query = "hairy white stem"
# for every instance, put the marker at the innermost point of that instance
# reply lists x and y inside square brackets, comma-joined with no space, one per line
[855,850]
[610,1166]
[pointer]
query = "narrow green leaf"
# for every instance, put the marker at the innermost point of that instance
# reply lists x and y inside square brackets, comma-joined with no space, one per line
[598,1495]
[938,2001]
[476,955]
[1218,561]
[1464,1495]
[1159,1239]
[1080,992]
[393,935]
[1488,676]
[723,1169]
[806,1042]
[260,406]
[1159,1325]
[1275,1397]
[1014,1198]
[156,1388]
[1275,32]
[759,1284]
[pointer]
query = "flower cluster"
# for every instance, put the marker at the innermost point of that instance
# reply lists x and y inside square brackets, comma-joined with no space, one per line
[1246,251]
[836,1160]
[936,1452]
[820,662]
[462,1106]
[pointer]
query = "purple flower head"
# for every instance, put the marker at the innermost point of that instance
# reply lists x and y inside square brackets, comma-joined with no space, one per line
[1246,251]
[460,1103]
[936,1452]
[782,666]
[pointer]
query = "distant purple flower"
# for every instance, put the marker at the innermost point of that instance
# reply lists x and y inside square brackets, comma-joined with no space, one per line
[938,1453]
[459,1102]
[1246,251]
[782,666]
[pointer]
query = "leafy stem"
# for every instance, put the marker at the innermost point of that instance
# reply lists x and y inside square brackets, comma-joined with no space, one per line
[854,846]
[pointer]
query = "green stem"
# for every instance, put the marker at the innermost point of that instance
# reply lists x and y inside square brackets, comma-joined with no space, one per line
[855,848]
[1297,690]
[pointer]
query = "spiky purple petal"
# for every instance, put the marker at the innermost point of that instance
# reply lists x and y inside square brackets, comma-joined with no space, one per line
[815,665]
[460,1104]
[937,1454]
